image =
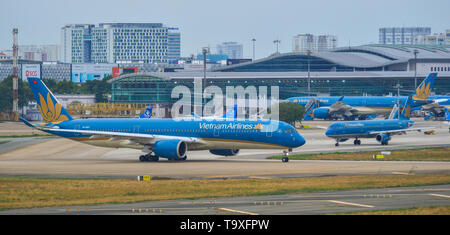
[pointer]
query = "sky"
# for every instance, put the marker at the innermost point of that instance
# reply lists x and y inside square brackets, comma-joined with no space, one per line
[210,22]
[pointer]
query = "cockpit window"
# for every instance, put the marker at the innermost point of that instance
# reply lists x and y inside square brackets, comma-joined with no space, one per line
[287,131]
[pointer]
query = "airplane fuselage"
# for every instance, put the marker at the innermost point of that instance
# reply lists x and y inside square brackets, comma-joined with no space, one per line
[363,104]
[365,129]
[213,134]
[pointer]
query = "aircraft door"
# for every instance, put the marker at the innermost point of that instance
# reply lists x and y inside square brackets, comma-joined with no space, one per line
[136,128]
[77,127]
[216,132]
[269,131]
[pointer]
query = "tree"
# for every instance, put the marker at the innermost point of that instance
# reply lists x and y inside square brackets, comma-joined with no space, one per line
[291,112]
[6,91]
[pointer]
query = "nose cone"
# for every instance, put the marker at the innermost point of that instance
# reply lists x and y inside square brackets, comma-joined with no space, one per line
[299,140]
[328,132]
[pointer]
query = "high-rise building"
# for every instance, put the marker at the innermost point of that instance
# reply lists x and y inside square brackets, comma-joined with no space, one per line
[120,43]
[173,45]
[232,49]
[42,53]
[76,43]
[304,42]
[447,37]
[404,35]
[436,39]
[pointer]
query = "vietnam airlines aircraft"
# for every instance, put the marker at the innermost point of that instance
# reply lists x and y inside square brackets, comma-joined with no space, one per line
[166,138]
[350,107]
[382,130]
[147,112]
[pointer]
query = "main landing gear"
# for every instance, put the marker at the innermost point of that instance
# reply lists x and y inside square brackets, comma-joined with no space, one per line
[149,158]
[357,142]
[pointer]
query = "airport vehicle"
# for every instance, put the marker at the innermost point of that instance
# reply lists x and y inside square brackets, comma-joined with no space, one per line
[166,138]
[436,109]
[381,130]
[350,107]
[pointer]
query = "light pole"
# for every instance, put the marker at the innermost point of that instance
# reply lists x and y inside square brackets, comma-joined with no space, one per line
[204,51]
[398,86]
[277,42]
[253,40]
[415,67]
[308,52]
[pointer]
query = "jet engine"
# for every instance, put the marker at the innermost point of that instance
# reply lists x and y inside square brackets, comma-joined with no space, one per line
[383,138]
[171,149]
[224,152]
[321,113]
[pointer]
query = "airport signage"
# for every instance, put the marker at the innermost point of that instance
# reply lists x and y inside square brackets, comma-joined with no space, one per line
[31,71]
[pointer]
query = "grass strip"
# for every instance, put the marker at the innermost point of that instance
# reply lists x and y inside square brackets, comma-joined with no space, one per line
[423,154]
[23,192]
[24,136]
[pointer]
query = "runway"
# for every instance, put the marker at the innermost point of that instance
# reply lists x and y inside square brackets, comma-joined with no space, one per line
[288,204]
[58,157]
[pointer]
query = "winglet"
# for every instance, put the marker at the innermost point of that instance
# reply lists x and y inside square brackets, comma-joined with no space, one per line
[340,99]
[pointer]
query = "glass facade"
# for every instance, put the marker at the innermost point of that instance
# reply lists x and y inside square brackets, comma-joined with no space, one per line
[142,88]
[291,63]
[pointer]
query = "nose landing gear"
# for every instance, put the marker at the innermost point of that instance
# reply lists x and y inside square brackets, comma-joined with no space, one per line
[286,154]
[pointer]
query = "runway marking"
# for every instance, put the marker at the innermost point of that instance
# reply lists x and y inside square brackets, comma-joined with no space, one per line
[236,211]
[439,195]
[401,173]
[351,204]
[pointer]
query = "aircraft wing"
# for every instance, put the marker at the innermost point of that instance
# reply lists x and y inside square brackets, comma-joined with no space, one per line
[138,138]
[401,131]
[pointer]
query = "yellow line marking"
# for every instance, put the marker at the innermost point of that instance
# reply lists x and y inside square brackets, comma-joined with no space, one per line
[259,177]
[236,211]
[439,195]
[351,204]
[401,173]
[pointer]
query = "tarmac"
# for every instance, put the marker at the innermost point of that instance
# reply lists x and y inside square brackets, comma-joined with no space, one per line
[59,157]
[288,204]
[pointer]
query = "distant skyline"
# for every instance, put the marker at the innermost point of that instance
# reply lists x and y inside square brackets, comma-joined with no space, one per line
[209,23]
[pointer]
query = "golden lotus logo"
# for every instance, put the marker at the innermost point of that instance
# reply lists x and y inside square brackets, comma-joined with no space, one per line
[258,126]
[407,111]
[51,112]
[422,92]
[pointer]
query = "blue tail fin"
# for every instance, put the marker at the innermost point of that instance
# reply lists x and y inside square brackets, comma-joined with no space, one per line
[405,110]
[51,110]
[424,89]
[147,113]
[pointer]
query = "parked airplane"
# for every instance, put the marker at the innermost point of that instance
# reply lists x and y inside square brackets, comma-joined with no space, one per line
[147,113]
[166,138]
[382,130]
[350,107]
